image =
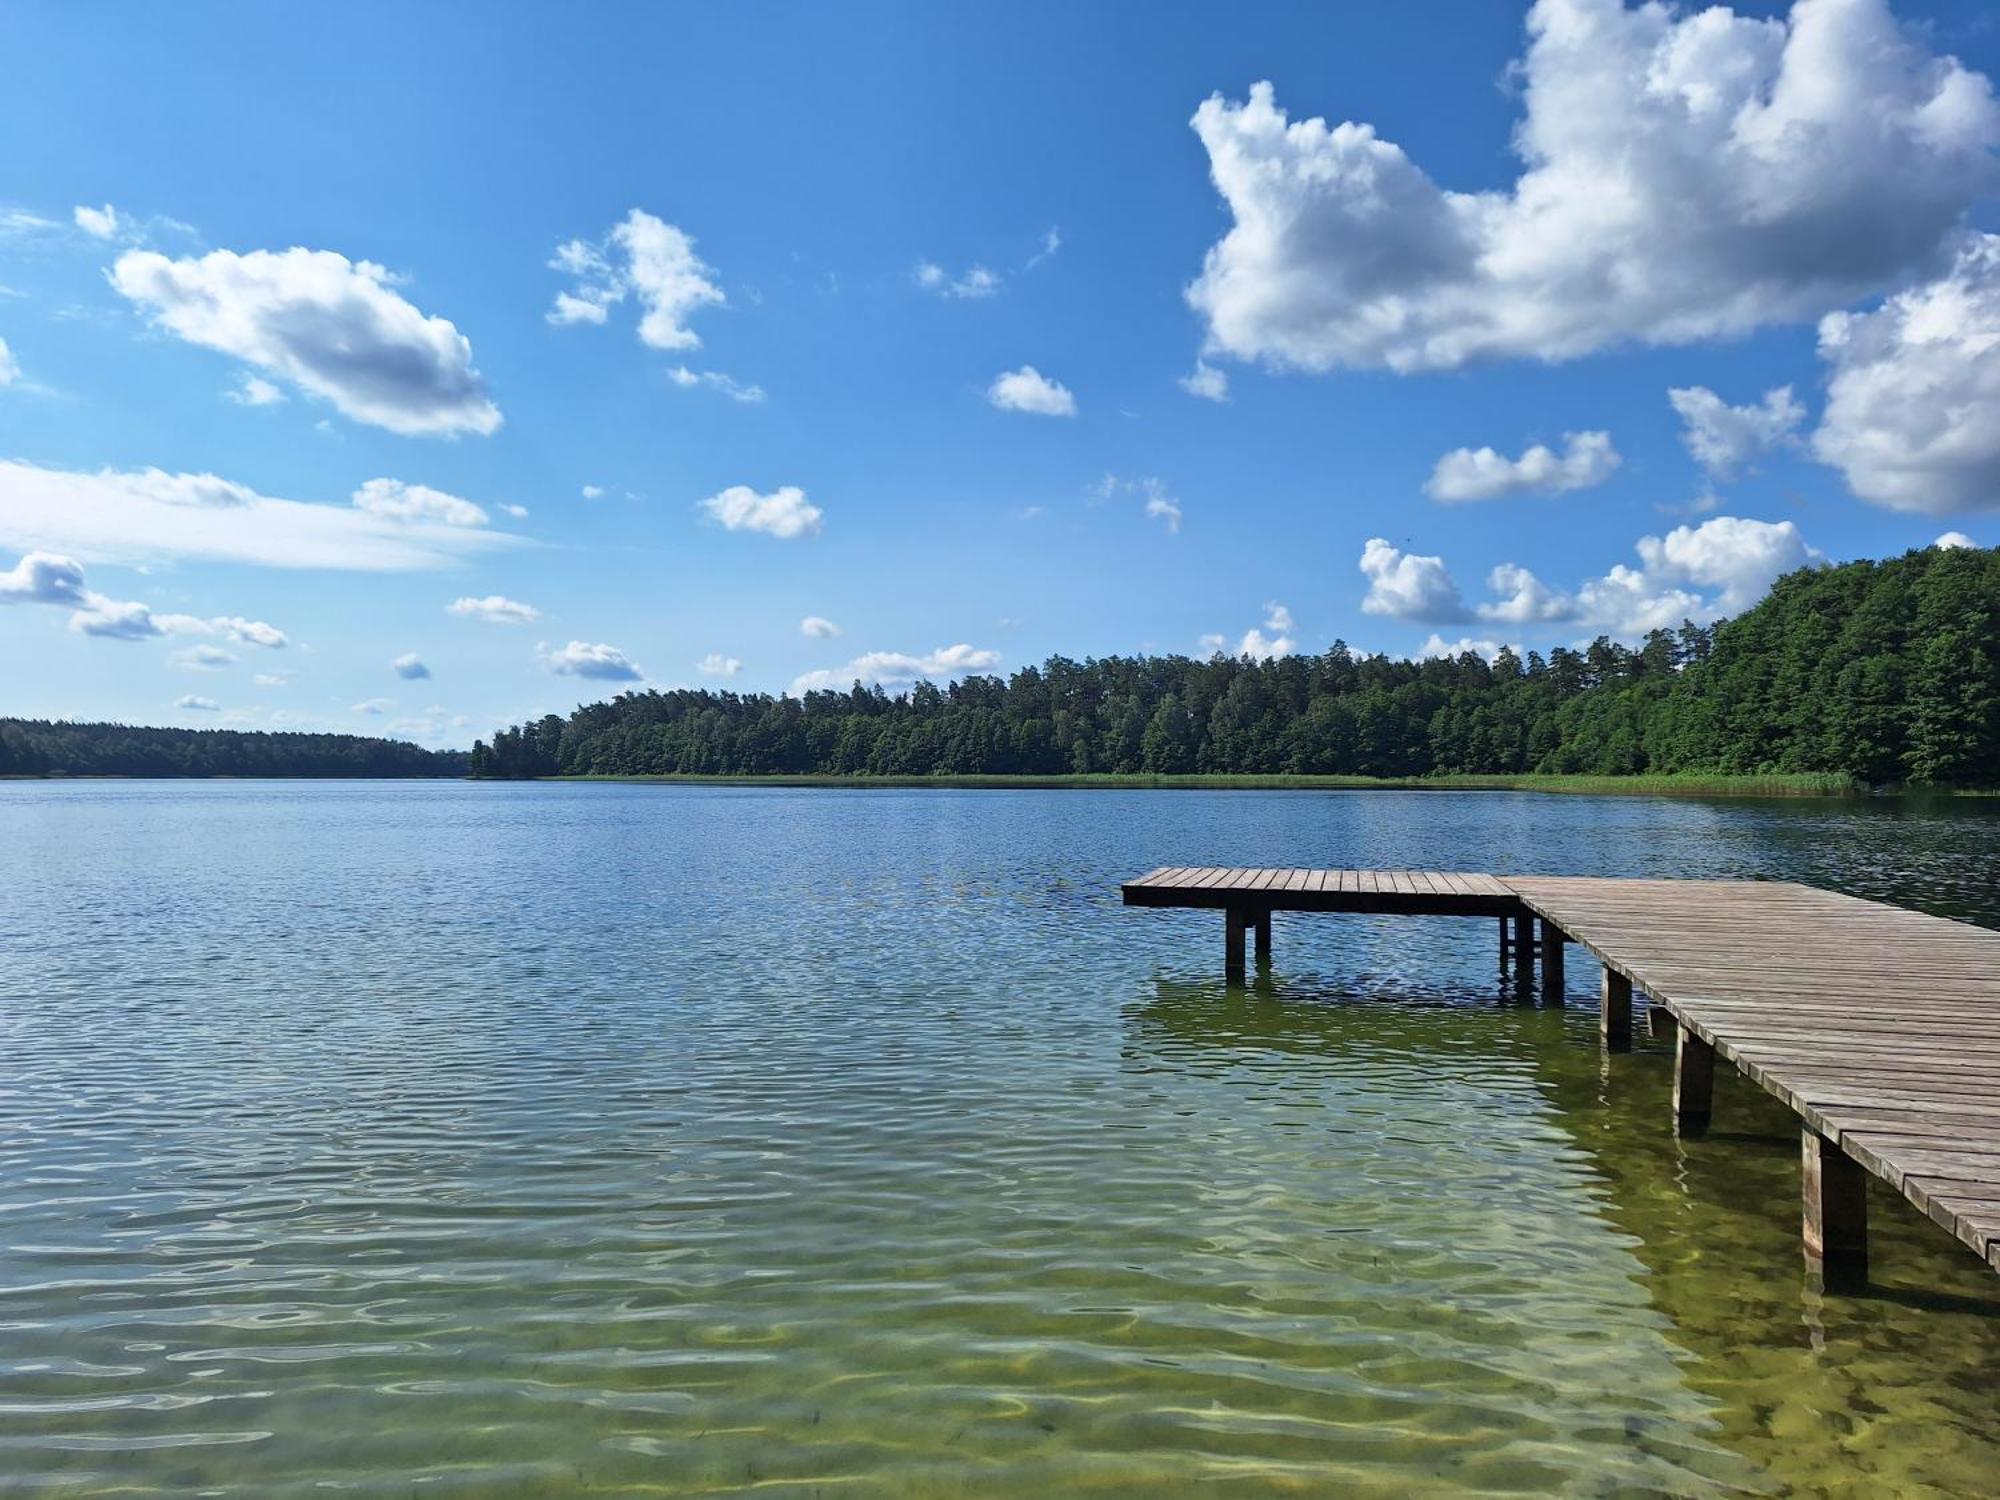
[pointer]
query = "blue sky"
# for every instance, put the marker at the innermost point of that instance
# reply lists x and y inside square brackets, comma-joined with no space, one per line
[973,334]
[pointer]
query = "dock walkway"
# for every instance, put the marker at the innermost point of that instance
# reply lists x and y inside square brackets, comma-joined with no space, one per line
[1879,1027]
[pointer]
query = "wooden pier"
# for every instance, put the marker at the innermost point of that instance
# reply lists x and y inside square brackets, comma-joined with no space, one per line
[1879,1027]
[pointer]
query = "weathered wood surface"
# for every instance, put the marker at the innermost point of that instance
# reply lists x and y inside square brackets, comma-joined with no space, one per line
[1399,892]
[1880,1027]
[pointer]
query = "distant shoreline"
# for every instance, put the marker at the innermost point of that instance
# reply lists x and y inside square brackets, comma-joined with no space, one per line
[1682,784]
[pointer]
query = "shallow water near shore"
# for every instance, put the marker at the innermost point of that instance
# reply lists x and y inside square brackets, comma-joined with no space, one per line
[557,1140]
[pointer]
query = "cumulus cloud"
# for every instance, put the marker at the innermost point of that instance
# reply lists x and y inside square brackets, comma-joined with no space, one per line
[1912,415]
[1438,646]
[99,223]
[1162,507]
[1686,173]
[1027,389]
[715,380]
[1523,599]
[374,706]
[715,664]
[115,619]
[1720,567]
[582,659]
[49,578]
[197,703]
[1954,539]
[1724,438]
[1207,382]
[593,492]
[895,668]
[1255,642]
[644,258]
[409,666]
[518,512]
[494,609]
[975,283]
[1409,586]
[813,627]
[43,578]
[395,500]
[1587,459]
[146,515]
[333,327]
[10,368]
[234,627]
[784,513]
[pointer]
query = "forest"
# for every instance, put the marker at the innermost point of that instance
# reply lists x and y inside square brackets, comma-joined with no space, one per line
[1886,671]
[40,747]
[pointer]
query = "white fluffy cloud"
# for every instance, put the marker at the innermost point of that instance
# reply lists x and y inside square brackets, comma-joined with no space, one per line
[232,627]
[1954,539]
[99,223]
[1255,643]
[49,578]
[1206,381]
[715,664]
[1587,459]
[374,706]
[1438,646]
[10,368]
[784,513]
[1720,567]
[977,281]
[1523,599]
[895,668]
[645,258]
[1913,400]
[494,609]
[1685,174]
[409,666]
[397,501]
[146,515]
[1028,389]
[715,380]
[582,659]
[1409,586]
[334,327]
[197,703]
[1723,438]
[43,578]
[813,627]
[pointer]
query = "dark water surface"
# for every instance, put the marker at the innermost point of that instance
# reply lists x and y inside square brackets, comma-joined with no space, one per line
[470,1140]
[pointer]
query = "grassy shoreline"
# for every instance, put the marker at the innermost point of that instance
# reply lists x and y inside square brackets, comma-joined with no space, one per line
[1682,784]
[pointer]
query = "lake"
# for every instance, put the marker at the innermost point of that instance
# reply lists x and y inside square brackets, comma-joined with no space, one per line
[469,1139]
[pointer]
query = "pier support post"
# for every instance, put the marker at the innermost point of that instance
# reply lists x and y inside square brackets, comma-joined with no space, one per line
[1524,950]
[1552,962]
[1615,1011]
[1263,940]
[1694,1082]
[1235,919]
[1836,1212]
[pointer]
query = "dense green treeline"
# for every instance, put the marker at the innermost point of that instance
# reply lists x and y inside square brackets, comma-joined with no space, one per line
[39,747]
[1887,671]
